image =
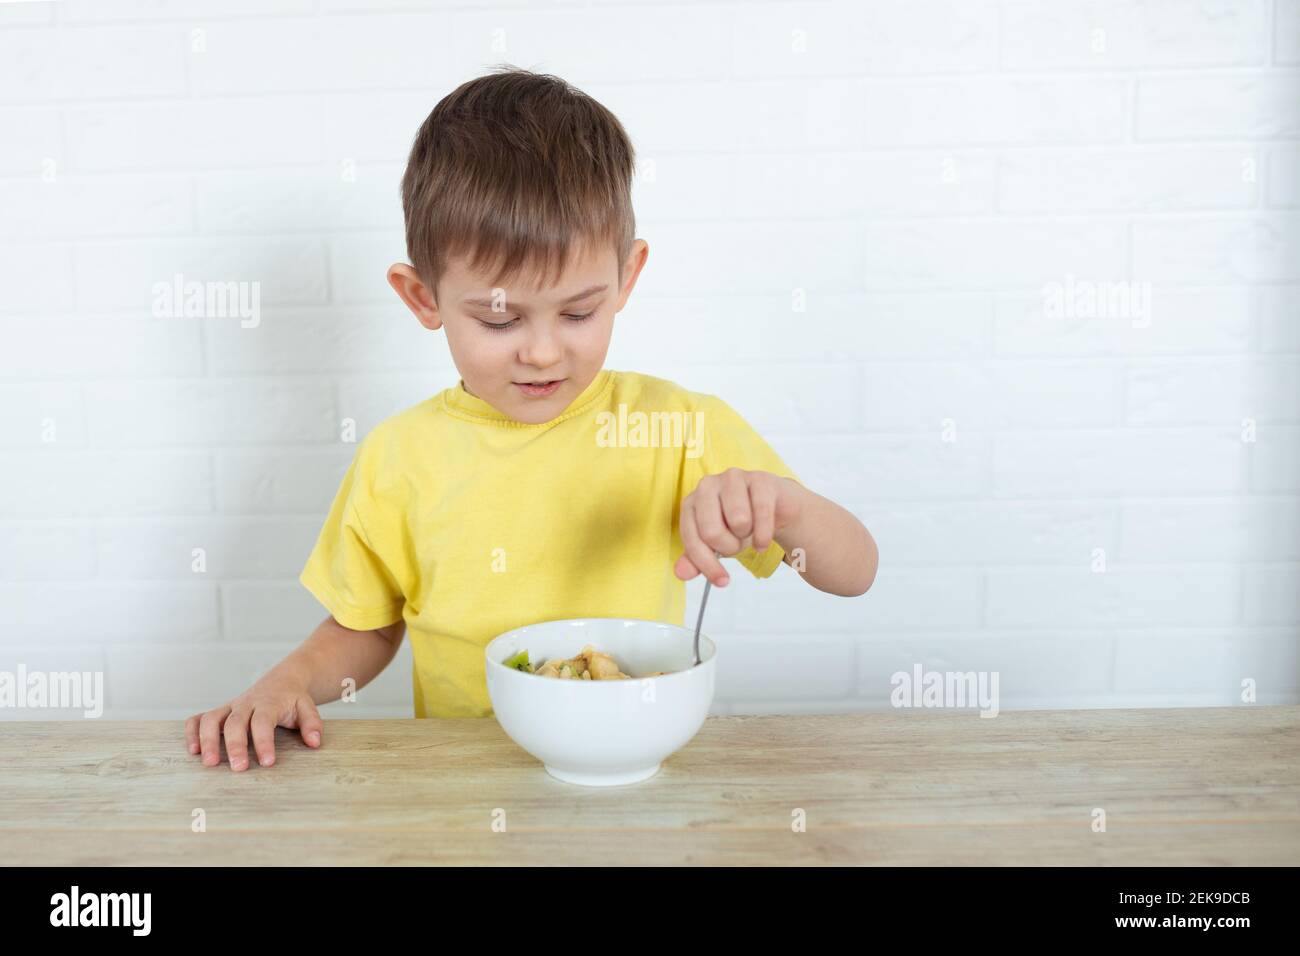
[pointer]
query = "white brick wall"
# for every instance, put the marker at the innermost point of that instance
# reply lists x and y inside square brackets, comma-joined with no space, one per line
[916,173]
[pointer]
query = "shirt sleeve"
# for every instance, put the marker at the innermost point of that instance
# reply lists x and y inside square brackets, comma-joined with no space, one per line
[731,442]
[346,571]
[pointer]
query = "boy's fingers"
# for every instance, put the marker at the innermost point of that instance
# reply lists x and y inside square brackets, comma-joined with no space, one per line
[192,733]
[736,510]
[236,735]
[713,529]
[698,551]
[685,568]
[309,722]
[763,498]
[263,727]
[210,725]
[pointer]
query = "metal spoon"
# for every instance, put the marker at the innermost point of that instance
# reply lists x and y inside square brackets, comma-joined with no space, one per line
[700,620]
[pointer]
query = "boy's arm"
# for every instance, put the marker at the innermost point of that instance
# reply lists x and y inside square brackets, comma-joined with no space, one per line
[737,509]
[334,653]
[745,496]
[837,552]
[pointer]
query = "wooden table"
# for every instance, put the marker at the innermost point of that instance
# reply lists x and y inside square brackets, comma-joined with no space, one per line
[1213,786]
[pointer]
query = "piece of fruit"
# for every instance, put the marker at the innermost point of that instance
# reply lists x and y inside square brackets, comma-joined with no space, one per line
[519,662]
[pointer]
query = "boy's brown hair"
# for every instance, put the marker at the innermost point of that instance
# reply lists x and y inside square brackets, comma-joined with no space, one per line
[513,170]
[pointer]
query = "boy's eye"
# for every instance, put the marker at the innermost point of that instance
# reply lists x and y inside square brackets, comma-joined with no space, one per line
[502,326]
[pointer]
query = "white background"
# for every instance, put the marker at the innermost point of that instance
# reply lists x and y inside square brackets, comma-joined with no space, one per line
[916,173]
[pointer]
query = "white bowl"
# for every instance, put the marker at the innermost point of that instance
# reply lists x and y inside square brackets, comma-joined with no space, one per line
[602,733]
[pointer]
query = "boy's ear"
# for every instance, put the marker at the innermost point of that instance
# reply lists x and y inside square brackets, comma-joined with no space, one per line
[408,285]
[632,269]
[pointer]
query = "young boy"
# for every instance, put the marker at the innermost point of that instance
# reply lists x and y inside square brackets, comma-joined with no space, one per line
[542,486]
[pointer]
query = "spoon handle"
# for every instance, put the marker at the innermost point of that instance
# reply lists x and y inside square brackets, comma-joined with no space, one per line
[700,620]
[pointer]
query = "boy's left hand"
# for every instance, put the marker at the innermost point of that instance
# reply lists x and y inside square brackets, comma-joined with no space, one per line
[730,512]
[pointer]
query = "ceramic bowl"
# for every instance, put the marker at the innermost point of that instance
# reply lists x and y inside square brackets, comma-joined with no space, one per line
[607,732]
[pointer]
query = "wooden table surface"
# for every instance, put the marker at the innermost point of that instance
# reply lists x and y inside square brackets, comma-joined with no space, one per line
[1211,786]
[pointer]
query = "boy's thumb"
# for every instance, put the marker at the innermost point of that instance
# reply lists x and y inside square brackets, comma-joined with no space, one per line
[309,722]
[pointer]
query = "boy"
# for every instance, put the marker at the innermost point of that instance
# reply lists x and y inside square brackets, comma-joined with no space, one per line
[523,494]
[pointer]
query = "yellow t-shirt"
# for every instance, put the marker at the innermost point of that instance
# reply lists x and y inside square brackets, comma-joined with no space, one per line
[467,523]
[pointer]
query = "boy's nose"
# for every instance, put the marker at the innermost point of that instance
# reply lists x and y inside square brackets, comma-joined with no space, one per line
[541,351]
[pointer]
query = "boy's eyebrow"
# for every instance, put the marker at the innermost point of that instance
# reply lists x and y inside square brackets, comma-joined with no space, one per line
[573,298]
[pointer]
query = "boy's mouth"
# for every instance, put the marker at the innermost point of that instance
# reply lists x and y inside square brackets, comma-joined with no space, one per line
[540,388]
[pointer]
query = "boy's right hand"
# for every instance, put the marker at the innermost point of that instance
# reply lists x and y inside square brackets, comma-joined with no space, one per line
[263,707]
